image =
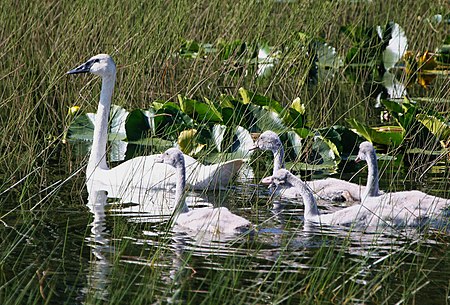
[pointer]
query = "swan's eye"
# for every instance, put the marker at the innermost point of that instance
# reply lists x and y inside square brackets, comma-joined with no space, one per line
[96,60]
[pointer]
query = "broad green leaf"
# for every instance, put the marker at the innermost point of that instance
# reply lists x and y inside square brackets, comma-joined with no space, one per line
[304,132]
[345,139]
[156,144]
[312,152]
[298,106]
[437,127]
[242,142]
[137,125]
[168,120]
[295,115]
[83,125]
[404,114]
[187,141]
[267,120]
[117,119]
[259,100]
[202,112]
[388,135]
[296,142]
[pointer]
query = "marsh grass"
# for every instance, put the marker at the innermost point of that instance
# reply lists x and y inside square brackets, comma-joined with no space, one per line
[45,257]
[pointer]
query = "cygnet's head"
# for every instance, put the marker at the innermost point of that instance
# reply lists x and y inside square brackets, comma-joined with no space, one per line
[268,140]
[366,149]
[173,157]
[101,64]
[280,178]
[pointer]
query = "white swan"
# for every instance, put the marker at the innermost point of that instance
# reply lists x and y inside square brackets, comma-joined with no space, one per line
[212,220]
[140,172]
[411,208]
[329,188]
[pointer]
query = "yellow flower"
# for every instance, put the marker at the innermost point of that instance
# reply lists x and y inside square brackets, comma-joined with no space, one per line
[73,110]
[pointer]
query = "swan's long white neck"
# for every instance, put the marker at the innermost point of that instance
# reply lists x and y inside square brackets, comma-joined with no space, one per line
[311,210]
[97,158]
[372,188]
[278,159]
[181,206]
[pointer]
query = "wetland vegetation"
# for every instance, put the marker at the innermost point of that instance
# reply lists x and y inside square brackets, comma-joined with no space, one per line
[205,74]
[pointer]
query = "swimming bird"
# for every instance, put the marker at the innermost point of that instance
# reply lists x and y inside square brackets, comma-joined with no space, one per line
[329,188]
[411,208]
[140,172]
[212,220]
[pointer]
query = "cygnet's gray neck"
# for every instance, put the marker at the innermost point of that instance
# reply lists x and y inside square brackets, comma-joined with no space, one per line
[278,162]
[311,210]
[181,206]
[372,188]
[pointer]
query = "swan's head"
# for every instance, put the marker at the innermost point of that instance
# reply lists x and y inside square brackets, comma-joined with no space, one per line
[280,178]
[101,64]
[173,157]
[268,140]
[366,150]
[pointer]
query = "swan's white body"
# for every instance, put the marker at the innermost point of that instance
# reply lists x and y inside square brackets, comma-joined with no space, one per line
[410,208]
[140,172]
[330,188]
[212,220]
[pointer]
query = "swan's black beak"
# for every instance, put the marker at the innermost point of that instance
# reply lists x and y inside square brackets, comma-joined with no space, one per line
[84,68]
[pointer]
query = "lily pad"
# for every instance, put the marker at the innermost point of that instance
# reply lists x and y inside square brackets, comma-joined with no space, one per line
[187,141]
[83,125]
[295,115]
[200,111]
[137,125]
[267,120]
[404,113]
[436,126]
[259,100]
[387,135]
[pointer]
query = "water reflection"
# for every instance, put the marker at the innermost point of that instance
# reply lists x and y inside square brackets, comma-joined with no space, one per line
[99,270]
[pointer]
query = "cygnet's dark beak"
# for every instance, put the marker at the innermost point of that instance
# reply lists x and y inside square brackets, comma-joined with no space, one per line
[267,180]
[253,148]
[159,159]
[83,68]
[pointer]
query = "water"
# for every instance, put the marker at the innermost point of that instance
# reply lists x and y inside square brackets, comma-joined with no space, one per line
[72,248]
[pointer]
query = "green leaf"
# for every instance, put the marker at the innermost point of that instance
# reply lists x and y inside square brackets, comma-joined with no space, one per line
[403,113]
[117,119]
[436,126]
[187,141]
[267,120]
[295,116]
[202,112]
[168,120]
[388,135]
[137,125]
[82,126]
[259,100]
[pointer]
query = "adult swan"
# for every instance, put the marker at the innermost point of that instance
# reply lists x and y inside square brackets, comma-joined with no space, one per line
[140,172]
